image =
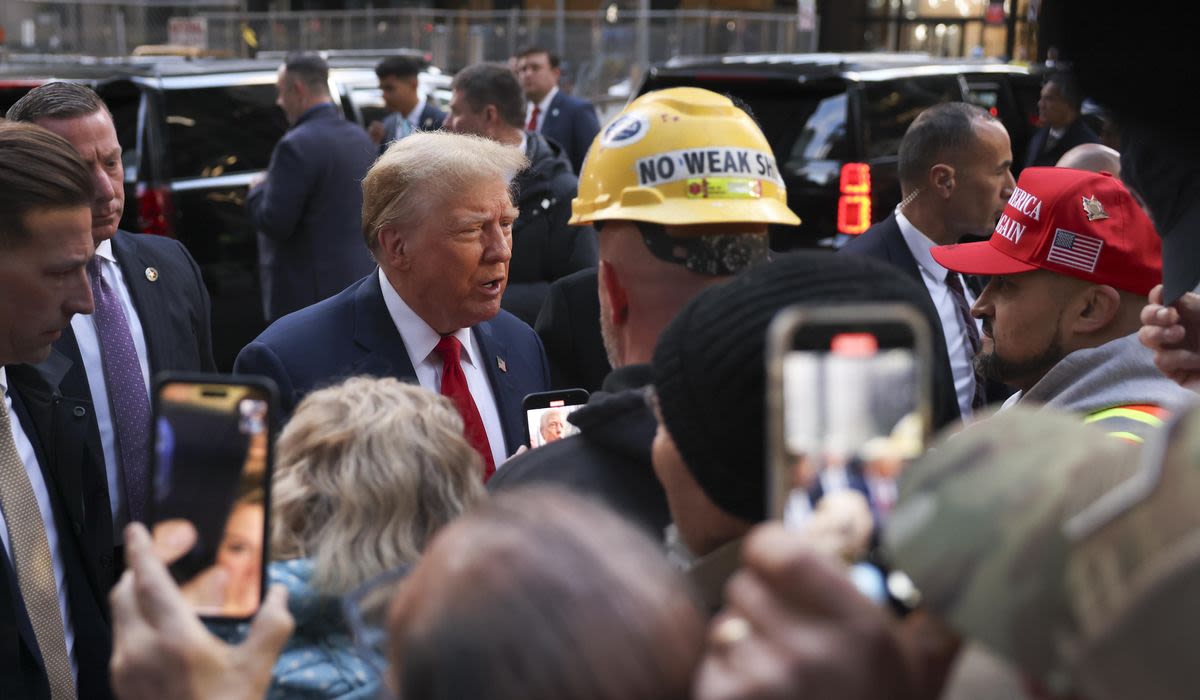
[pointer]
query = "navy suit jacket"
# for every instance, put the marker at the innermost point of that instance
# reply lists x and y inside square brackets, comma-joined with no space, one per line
[174,311]
[883,241]
[572,122]
[307,212]
[353,334]
[58,426]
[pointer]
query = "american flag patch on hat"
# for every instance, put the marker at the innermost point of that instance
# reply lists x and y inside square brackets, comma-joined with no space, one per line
[1075,250]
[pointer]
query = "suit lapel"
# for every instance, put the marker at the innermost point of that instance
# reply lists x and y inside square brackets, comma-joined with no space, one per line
[384,352]
[58,445]
[495,360]
[898,253]
[149,304]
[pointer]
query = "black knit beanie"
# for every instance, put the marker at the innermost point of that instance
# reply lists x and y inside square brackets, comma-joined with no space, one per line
[709,364]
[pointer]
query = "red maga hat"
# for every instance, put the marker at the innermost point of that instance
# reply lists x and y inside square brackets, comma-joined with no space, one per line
[1071,222]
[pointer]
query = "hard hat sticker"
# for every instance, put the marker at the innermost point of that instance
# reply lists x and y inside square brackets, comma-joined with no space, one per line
[625,130]
[723,188]
[674,166]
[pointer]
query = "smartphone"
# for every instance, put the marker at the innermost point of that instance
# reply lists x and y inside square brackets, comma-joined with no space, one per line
[850,404]
[213,440]
[546,415]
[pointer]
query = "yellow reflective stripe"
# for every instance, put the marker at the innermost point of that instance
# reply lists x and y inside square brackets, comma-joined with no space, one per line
[1122,435]
[1130,413]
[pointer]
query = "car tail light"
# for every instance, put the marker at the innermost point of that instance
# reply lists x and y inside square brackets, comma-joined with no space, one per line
[854,204]
[155,210]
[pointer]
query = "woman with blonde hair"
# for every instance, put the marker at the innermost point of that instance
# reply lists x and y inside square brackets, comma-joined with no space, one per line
[366,473]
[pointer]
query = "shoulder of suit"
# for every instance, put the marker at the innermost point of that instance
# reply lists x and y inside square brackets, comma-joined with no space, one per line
[315,326]
[511,327]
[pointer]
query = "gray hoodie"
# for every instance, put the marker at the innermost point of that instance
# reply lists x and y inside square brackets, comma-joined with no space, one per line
[1119,373]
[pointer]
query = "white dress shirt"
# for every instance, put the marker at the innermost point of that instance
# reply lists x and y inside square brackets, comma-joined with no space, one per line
[934,276]
[89,351]
[414,117]
[420,341]
[40,491]
[544,106]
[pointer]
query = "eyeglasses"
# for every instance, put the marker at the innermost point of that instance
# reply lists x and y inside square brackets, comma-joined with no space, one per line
[365,609]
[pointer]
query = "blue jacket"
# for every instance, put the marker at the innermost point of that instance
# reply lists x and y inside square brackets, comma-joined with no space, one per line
[572,123]
[307,213]
[353,334]
[319,661]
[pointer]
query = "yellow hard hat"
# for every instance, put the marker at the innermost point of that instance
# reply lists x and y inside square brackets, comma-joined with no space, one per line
[681,156]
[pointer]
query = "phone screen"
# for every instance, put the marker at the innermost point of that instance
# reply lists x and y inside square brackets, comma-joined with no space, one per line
[546,415]
[851,410]
[213,469]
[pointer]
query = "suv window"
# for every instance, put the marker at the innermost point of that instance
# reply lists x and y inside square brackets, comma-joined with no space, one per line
[823,138]
[890,106]
[222,130]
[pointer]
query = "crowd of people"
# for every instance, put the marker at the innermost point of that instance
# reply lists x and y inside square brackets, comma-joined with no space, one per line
[426,540]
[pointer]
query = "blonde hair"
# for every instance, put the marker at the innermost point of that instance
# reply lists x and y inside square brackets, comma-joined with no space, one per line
[417,173]
[366,473]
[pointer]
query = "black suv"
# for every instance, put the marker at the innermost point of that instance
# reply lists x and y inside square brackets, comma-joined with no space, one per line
[194,132]
[835,122]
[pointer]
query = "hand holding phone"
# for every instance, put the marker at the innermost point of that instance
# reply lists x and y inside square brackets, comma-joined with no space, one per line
[546,415]
[212,472]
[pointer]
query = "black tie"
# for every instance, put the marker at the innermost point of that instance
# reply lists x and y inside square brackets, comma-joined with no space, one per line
[954,283]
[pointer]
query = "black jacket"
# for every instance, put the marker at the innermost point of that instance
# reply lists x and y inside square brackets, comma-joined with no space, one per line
[883,241]
[58,427]
[609,459]
[1077,133]
[544,246]
[569,325]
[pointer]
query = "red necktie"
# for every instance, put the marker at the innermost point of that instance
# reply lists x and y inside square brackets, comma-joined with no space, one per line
[454,387]
[533,119]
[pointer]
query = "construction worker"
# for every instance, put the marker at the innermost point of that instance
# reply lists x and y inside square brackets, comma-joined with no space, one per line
[681,185]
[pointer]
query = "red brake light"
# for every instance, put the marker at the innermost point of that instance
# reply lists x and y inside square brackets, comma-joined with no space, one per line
[854,204]
[155,210]
[856,178]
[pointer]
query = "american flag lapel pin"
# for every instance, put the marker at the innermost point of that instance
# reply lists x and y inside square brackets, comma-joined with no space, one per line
[501,364]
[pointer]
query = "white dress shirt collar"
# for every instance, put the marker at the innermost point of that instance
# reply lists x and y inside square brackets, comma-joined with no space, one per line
[921,248]
[543,108]
[105,251]
[544,105]
[414,117]
[419,338]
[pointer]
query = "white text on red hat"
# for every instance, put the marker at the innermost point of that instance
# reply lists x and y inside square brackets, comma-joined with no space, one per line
[1010,229]
[1026,203]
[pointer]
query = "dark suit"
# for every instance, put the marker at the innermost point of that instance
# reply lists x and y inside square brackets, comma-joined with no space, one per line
[572,123]
[430,119]
[353,333]
[569,325]
[58,427]
[307,212]
[883,241]
[1077,133]
[174,312]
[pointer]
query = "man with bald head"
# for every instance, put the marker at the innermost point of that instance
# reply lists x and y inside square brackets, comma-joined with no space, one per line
[660,245]
[1095,157]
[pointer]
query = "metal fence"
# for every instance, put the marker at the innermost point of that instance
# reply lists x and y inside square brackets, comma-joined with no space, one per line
[603,51]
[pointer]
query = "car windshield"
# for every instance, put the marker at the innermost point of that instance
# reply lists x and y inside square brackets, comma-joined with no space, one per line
[222,130]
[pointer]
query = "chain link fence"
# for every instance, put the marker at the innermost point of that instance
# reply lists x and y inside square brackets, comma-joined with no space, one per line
[604,51]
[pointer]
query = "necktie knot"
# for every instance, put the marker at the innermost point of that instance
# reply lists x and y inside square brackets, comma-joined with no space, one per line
[449,348]
[533,118]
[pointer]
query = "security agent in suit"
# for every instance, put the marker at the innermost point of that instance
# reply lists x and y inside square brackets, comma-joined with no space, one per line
[307,209]
[1062,129]
[399,81]
[659,248]
[160,293]
[955,176]
[439,284]
[487,102]
[569,326]
[55,636]
[565,119]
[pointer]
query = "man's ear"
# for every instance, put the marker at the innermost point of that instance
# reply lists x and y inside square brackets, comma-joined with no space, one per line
[941,179]
[393,247]
[1097,306]
[614,294]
